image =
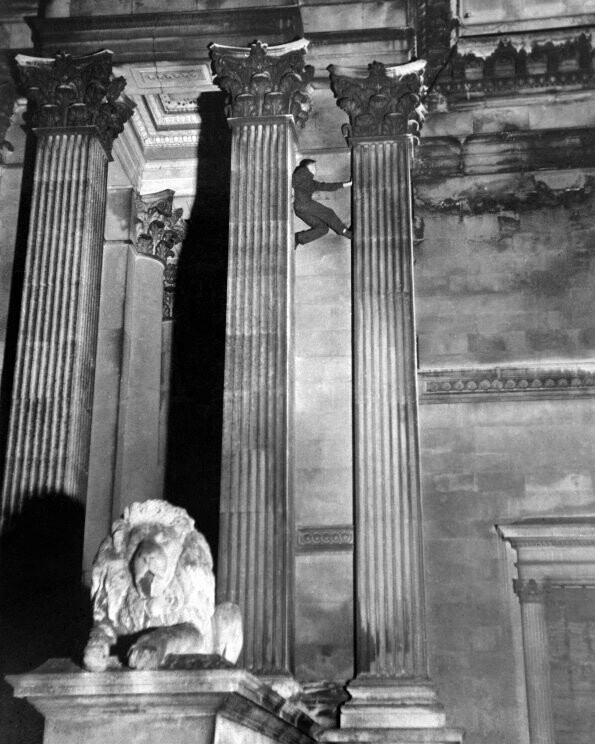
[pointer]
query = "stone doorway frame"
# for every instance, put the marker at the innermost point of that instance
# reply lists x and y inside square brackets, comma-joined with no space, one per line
[552,552]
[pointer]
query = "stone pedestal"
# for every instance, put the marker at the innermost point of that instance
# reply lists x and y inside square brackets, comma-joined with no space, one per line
[266,99]
[392,688]
[76,114]
[173,707]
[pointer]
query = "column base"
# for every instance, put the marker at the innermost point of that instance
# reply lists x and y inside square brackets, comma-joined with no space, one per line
[392,704]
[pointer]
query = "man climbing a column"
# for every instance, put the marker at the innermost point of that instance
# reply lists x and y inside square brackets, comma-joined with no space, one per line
[314,214]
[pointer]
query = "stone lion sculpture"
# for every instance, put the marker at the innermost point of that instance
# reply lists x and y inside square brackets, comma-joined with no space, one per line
[153,581]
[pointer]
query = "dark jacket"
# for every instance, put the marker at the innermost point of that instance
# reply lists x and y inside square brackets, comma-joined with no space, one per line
[304,186]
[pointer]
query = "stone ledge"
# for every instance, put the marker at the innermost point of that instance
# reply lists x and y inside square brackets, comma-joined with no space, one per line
[166,36]
[505,383]
[173,706]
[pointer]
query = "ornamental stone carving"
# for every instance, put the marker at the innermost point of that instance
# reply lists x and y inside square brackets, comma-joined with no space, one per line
[160,232]
[530,590]
[380,101]
[72,92]
[153,587]
[7,100]
[265,81]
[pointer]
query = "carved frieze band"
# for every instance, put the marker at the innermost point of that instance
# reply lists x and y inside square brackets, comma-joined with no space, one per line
[264,81]
[380,101]
[160,232]
[317,539]
[514,65]
[66,92]
[438,386]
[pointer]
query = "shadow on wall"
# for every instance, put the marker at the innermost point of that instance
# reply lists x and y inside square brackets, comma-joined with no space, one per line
[196,402]
[44,609]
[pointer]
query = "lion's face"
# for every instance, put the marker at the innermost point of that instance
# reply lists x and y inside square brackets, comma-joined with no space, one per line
[152,553]
[155,569]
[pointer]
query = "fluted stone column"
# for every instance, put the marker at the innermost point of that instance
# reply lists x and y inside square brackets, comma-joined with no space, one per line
[267,97]
[76,112]
[392,686]
[531,594]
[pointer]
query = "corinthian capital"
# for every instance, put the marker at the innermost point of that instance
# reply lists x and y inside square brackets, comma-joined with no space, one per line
[530,590]
[264,81]
[381,101]
[76,92]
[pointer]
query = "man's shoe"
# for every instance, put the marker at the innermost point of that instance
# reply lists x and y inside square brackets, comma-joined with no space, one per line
[296,241]
[347,233]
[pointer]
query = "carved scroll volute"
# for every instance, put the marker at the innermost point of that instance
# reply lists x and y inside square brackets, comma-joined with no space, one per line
[264,81]
[71,92]
[380,101]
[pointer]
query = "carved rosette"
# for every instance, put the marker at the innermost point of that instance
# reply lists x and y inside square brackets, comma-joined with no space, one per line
[380,101]
[160,232]
[530,590]
[70,92]
[265,81]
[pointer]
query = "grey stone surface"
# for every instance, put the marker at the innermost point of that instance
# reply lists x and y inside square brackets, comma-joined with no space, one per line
[202,707]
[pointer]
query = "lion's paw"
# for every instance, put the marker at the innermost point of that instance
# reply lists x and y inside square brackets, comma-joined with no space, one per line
[95,657]
[147,653]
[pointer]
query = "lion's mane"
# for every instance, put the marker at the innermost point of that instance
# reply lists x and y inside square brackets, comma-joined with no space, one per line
[190,592]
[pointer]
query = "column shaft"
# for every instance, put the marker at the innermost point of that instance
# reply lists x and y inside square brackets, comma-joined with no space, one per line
[52,391]
[389,575]
[254,568]
[76,109]
[537,662]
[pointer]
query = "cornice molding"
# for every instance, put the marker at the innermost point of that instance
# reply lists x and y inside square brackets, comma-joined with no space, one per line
[505,383]
[516,64]
[146,37]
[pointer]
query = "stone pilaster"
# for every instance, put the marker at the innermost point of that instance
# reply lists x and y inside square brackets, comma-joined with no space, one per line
[531,595]
[267,96]
[392,686]
[76,110]
[160,233]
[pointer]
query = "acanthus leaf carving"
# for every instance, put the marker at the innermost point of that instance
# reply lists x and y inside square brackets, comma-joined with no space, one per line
[71,91]
[264,81]
[380,101]
[160,232]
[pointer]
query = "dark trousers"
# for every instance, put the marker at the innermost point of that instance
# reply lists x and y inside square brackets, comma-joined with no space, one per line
[320,219]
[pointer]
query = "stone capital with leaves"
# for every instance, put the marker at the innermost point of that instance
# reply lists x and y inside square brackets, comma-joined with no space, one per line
[160,232]
[380,101]
[70,92]
[264,81]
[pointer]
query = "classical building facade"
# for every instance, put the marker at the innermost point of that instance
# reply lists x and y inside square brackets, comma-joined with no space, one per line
[388,440]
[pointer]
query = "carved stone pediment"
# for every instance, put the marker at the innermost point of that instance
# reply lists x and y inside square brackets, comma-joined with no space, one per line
[264,81]
[380,101]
